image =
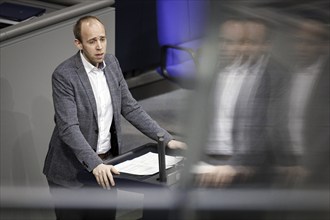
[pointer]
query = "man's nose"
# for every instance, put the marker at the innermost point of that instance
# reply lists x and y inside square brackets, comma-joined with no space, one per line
[98,45]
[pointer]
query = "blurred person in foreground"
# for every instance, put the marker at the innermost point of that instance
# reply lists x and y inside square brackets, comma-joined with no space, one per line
[90,94]
[305,106]
[240,97]
[249,83]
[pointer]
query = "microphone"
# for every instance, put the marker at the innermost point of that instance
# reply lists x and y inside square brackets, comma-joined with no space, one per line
[161,157]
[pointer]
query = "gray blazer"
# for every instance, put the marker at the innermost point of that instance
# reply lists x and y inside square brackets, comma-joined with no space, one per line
[72,149]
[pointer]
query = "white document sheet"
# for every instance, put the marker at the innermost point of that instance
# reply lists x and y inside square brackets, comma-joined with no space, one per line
[146,164]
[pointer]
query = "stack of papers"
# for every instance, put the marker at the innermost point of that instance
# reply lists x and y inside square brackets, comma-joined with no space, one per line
[146,164]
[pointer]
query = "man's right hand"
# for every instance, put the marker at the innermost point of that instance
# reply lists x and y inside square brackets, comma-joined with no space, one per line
[103,175]
[223,176]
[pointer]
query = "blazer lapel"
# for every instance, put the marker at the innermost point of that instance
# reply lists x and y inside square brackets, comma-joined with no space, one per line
[85,81]
[113,87]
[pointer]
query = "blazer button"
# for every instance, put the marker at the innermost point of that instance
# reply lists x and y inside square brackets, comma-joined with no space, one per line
[96,131]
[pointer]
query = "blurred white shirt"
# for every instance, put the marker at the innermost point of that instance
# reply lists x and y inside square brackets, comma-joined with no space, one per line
[303,81]
[227,89]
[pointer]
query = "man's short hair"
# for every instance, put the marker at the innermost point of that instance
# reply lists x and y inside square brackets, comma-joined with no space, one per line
[77,26]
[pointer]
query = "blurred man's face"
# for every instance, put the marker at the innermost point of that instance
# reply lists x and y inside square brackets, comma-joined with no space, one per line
[245,39]
[231,38]
[255,40]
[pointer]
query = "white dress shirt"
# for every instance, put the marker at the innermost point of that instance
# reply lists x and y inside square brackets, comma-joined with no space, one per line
[103,102]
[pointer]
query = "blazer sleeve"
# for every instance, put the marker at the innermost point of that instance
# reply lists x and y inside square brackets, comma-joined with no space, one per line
[134,113]
[67,119]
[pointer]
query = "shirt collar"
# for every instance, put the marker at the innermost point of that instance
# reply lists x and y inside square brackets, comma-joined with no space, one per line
[90,67]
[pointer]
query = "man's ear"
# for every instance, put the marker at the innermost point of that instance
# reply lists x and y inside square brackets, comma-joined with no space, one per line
[78,44]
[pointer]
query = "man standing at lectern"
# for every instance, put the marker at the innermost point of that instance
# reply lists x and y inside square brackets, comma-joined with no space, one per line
[89,95]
